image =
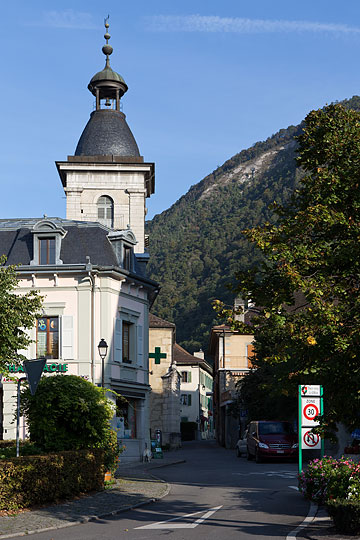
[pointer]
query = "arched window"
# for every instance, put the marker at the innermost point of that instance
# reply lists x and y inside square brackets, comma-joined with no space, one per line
[105,211]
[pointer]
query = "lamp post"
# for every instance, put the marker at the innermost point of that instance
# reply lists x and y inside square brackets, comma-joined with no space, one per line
[102,348]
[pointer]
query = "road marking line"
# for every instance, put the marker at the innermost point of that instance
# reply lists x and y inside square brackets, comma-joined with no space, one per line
[309,518]
[281,474]
[294,487]
[165,524]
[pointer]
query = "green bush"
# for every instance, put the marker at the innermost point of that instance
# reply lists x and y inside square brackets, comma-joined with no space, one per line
[69,413]
[26,449]
[31,480]
[346,515]
[330,478]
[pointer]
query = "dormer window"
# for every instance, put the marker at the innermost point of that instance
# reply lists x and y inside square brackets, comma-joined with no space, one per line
[123,243]
[105,211]
[47,250]
[127,257]
[47,237]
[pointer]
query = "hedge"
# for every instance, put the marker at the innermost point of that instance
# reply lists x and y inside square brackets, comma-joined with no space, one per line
[346,515]
[31,480]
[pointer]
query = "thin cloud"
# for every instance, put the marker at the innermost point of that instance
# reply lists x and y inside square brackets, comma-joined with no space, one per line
[203,23]
[68,19]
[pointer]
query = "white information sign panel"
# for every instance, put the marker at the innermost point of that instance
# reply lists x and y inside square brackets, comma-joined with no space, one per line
[309,440]
[310,390]
[310,408]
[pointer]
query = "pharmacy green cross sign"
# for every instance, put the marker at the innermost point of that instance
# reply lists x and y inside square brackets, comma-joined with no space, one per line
[157,355]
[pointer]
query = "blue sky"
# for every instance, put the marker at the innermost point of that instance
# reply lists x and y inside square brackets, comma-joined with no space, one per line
[206,79]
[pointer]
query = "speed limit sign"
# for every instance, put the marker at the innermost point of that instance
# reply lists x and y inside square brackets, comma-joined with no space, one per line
[310,411]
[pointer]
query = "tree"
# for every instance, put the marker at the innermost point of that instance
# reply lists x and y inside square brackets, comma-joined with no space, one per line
[70,413]
[308,330]
[18,314]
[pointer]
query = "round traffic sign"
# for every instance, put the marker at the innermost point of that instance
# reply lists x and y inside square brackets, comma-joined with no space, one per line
[311,411]
[311,439]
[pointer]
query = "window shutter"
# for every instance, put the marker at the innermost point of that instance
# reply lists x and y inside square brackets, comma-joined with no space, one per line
[140,356]
[189,399]
[250,355]
[67,352]
[189,376]
[118,341]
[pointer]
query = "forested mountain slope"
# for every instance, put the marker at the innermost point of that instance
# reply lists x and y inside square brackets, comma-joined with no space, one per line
[196,245]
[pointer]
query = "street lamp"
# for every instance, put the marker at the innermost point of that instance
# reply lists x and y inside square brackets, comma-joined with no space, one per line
[102,348]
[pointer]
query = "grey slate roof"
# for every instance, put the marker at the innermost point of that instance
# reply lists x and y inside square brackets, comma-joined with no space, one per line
[82,239]
[106,134]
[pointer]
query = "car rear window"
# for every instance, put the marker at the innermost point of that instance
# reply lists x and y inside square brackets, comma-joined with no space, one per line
[275,428]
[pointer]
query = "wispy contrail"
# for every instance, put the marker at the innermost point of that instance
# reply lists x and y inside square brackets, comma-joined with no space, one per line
[204,23]
[67,18]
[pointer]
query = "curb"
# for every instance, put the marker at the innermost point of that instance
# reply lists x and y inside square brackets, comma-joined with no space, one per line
[167,464]
[91,518]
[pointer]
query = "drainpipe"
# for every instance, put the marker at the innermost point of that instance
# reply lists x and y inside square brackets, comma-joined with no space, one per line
[92,317]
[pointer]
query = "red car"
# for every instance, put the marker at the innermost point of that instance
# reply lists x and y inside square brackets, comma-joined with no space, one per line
[271,439]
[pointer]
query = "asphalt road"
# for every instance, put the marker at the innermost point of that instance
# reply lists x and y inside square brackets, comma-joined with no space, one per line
[213,495]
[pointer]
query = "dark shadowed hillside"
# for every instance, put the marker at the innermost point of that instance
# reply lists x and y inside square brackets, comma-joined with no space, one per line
[196,245]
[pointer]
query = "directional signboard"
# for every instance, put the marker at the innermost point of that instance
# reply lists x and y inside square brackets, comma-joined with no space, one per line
[309,440]
[310,411]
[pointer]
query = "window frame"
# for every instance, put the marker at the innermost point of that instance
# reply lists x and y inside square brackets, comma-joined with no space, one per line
[129,334]
[50,250]
[48,333]
[105,207]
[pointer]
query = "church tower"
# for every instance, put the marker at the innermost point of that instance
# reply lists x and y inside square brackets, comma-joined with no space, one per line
[107,179]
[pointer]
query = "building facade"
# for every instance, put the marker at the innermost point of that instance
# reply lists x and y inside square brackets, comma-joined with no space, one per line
[165,382]
[196,391]
[231,353]
[91,267]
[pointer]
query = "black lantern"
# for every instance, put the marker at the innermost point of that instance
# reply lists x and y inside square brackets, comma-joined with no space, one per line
[102,348]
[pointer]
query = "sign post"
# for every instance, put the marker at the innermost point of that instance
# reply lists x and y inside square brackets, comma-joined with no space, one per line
[33,370]
[311,407]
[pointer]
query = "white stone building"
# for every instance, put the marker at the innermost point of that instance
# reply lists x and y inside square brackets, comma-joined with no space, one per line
[165,382]
[91,267]
[196,391]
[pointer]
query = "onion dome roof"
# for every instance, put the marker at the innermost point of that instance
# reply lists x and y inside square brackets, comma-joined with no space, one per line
[107,133]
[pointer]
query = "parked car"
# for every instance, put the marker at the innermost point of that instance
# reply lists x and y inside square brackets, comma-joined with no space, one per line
[271,439]
[241,445]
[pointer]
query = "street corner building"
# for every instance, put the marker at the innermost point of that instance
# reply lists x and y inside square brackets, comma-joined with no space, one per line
[91,268]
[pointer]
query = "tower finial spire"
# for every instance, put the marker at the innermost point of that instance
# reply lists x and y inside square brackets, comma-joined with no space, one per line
[107,49]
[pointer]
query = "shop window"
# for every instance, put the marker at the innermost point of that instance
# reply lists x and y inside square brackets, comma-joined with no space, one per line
[186,376]
[47,337]
[126,418]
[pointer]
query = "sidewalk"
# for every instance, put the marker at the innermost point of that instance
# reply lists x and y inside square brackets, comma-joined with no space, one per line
[135,486]
[322,528]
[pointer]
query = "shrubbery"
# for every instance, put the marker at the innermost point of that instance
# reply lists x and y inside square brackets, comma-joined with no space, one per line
[70,413]
[336,483]
[31,480]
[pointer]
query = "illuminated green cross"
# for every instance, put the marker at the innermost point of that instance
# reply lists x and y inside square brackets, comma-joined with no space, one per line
[157,355]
